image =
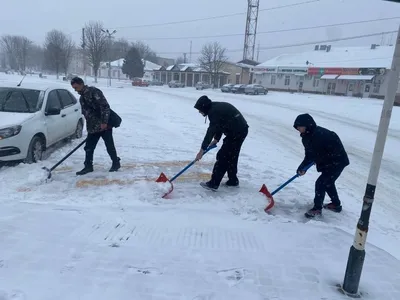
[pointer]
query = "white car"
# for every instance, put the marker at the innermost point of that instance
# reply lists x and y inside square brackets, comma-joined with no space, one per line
[33,118]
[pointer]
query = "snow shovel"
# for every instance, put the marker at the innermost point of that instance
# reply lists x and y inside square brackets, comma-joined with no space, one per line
[269,195]
[62,160]
[163,178]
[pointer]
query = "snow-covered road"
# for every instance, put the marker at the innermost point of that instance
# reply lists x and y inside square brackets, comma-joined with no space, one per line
[76,218]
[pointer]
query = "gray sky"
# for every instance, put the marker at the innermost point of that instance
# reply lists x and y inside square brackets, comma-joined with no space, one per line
[34,18]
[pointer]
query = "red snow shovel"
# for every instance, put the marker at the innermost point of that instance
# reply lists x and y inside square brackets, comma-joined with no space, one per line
[269,195]
[163,178]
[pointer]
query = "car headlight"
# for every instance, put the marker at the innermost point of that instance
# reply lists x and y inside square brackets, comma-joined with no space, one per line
[9,131]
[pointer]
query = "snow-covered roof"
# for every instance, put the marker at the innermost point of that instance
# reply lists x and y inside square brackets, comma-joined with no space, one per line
[345,57]
[150,66]
[190,65]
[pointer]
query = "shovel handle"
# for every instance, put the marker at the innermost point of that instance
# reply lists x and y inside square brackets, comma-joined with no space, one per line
[291,179]
[191,164]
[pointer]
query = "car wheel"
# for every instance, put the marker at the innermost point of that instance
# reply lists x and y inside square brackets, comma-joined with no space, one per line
[79,130]
[35,150]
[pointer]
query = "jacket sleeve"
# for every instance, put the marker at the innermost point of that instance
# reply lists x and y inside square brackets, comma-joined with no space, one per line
[212,130]
[102,104]
[83,106]
[218,135]
[308,156]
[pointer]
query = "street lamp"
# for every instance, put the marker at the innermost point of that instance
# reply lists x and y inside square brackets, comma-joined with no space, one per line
[109,35]
[357,250]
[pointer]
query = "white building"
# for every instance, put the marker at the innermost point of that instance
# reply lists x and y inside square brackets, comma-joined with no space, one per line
[351,71]
[116,70]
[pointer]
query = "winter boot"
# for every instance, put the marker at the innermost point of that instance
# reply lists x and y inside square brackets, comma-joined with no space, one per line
[333,207]
[207,185]
[234,183]
[85,170]
[116,165]
[313,212]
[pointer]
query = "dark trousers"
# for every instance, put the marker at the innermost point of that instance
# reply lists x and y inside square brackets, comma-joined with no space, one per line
[227,159]
[91,143]
[326,184]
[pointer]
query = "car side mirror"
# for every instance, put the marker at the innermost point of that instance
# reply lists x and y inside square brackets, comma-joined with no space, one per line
[53,111]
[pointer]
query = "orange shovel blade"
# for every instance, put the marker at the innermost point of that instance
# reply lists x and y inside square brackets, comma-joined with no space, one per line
[271,201]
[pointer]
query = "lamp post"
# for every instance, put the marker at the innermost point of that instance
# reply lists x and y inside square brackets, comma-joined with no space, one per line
[357,250]
[109,35]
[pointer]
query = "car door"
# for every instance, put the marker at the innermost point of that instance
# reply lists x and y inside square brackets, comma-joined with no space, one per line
[70,109]
[55,124]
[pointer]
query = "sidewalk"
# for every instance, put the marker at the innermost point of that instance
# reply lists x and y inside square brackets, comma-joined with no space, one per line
[69,253]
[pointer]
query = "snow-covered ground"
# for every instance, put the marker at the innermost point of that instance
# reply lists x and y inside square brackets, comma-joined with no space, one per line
[111,236]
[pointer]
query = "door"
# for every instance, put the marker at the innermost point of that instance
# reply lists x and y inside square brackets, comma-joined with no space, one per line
[301,86]
[367,89]
[55,124]
[70,110]
[350,88]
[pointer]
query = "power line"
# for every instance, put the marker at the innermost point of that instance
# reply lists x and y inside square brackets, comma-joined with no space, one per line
[299,44]
[210,18]
[266,32]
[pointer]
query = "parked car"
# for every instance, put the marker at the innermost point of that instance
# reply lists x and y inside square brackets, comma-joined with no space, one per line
[33,118]
[156,82]
[176,84]
[238,88]
[139,82]
[255,89]
[202,85]
[227,88]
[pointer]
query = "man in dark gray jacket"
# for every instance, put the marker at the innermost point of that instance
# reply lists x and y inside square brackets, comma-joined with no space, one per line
[224,119]
[97,113]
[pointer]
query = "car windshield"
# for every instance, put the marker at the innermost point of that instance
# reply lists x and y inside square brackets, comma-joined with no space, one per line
[19,100]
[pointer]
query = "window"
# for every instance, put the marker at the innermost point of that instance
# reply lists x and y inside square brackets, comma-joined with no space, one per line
[53,101]
[376,88]
[16,103]
[287,80]
[66,98]
[273,79]
[367,87]
[19,100]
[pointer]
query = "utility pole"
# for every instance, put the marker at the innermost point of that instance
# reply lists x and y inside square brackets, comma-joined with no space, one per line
[184,58]
[84,53]
[190,52]
[357,250]
[258,51]
[109,35]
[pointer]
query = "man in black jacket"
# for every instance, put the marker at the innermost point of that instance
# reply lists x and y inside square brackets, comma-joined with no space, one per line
[224,119]
[325,148]
[97,112]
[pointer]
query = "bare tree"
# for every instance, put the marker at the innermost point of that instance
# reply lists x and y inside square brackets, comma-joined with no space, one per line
[212,59]
[16,48]
[96,45]
[179,60]
[145,51]
[58,51]
[35,57]
[119,49]
[68,52]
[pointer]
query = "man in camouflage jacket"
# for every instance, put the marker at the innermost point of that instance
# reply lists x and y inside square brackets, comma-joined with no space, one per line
[96,110]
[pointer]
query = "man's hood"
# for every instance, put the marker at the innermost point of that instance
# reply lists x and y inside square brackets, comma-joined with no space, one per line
[203,104]
[305,120]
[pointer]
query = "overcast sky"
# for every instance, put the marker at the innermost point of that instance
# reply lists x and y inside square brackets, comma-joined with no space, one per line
[34,18]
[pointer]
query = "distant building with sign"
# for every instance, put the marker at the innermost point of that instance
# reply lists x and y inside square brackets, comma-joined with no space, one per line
[350,71]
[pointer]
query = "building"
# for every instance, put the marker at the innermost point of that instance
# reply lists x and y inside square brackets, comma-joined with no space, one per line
[348,71]
[116,70]
[189,74]
[240,72]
